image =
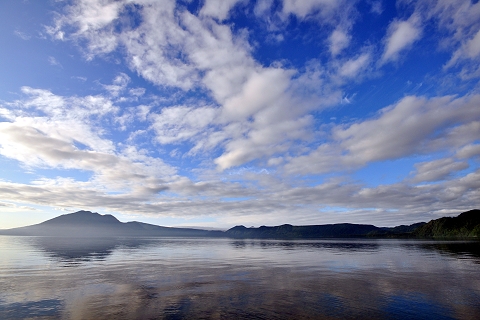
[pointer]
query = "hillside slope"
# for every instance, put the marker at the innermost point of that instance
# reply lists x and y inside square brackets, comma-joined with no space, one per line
[466,225]
[92,224]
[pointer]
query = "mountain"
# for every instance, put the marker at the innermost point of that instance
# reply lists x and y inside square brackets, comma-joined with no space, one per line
[91,224]
[466,225]
[339,230]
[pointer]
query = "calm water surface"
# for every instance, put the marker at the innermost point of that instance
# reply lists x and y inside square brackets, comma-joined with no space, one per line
[55,278]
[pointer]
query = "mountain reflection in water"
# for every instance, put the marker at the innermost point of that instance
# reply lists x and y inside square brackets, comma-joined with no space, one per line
[243,279]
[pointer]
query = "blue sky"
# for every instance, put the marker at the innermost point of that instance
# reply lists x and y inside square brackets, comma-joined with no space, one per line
[218,113]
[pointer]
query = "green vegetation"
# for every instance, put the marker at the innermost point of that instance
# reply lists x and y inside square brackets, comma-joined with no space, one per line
[466,225]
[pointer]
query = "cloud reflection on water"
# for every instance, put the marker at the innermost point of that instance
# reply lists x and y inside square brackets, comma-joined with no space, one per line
[224,278]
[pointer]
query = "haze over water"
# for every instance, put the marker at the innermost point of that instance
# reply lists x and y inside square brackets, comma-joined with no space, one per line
[178,278]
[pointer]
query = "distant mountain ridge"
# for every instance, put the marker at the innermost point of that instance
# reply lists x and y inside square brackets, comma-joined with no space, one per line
[338,230]
[92,224]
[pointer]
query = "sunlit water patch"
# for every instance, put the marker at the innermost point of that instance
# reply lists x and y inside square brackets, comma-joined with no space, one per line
[48,278]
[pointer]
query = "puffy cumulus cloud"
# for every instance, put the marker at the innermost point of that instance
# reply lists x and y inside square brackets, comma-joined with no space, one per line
[93,19]
[257,93]
[414,125]
[249,113]
[400,36]
[51,131]
[170,46]
[437,169]
[274,117]
[428,198]
[68,119]
[263,142]
[156,48]
[407,127]
[36,149]
[224,58]
[153,47]
[175,124]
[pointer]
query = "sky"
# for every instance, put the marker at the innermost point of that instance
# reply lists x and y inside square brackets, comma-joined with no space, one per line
[217,113]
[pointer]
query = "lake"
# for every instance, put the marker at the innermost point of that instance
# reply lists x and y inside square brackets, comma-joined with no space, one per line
[201,278]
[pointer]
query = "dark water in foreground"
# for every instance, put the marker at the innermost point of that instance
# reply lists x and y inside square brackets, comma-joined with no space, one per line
[49,278]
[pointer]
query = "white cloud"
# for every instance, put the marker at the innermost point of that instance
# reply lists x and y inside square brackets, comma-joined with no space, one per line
[459,24]
[54,61]
[9,207]
[92,19]
[281,203]
[172,47]
[137,91]
[119,84]
[35,148]
[142,112]
[303,8]
[437,169]
[338,40]
[352,67]
[258,93]
[376,7]
[400,36]
[459,18]
[50,131]
[414,125]
[219,9]
[180,123]
[56,106]
[22,35]
[469,151]
[262,7]
[473,46]
[217,103]
[406,127]
[469,50]
[263,142]
[65,118]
